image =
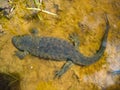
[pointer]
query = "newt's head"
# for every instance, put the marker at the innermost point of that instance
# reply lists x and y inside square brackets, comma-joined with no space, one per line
[22,42]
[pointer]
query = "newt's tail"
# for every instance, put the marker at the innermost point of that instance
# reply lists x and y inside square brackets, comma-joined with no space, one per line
[96,57]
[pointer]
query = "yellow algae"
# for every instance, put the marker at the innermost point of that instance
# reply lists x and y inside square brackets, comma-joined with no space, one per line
[45,86]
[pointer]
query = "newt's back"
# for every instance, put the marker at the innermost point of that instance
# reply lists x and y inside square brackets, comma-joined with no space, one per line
[54,48]
[46,47]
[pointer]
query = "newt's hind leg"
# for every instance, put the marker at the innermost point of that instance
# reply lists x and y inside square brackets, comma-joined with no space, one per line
[74,38]
[64,68]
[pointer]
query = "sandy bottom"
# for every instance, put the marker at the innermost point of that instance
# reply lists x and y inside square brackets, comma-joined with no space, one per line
[84,17]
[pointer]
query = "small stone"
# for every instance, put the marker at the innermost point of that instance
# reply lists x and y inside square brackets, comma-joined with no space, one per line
[1,31]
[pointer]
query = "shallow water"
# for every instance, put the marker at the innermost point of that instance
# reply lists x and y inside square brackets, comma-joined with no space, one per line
[84,17]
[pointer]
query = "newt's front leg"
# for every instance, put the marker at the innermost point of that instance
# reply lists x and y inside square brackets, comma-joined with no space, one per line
[21,54]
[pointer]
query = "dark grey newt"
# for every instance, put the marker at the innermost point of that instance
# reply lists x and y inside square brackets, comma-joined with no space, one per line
[57,49]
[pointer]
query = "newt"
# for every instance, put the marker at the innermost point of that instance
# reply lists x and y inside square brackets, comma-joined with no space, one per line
[57,49]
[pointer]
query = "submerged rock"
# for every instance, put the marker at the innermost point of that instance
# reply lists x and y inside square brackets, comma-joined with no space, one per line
[5,8]
[9,82]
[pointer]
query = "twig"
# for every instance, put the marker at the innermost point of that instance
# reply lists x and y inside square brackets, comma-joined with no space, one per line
[37,9]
